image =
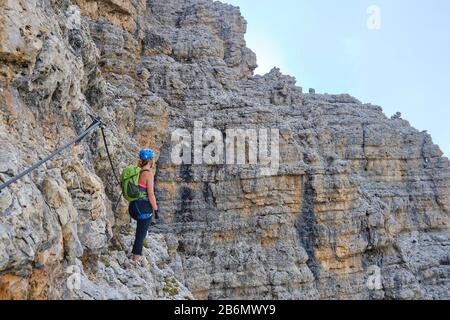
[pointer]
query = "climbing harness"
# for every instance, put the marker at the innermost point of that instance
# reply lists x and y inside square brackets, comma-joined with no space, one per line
[140,215]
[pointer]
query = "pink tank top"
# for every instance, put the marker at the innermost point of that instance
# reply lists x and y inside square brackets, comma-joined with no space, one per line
[142,185]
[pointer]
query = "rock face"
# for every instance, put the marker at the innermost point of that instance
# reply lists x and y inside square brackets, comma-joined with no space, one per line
[359,208]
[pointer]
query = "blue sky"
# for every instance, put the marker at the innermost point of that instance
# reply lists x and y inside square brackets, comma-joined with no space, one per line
[326,44]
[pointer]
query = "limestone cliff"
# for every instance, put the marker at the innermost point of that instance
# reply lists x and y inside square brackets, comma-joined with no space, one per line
[358,209]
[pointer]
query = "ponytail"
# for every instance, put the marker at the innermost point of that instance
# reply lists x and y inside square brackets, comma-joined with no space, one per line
[142,164]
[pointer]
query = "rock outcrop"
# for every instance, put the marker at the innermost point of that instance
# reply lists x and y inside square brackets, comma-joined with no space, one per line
[359,208]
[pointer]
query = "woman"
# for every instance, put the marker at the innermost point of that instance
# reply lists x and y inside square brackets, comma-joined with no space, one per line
[142,210]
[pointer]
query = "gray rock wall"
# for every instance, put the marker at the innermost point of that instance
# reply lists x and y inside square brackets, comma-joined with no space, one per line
[359,208]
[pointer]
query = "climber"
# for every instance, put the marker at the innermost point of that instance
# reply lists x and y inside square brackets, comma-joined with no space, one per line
[143,208]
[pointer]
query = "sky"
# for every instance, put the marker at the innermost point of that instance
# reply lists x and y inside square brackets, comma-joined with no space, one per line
[392,53]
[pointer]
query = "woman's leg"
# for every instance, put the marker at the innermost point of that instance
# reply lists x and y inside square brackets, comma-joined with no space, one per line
[132,210]
[141,233]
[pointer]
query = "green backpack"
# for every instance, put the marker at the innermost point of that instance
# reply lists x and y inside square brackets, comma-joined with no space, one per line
[130,183]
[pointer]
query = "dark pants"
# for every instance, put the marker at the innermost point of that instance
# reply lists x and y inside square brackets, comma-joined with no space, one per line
[140,211]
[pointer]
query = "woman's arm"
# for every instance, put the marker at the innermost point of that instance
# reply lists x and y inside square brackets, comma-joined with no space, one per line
[151,191]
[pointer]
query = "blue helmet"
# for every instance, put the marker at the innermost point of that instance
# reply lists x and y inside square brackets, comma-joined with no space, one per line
[146,154]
